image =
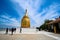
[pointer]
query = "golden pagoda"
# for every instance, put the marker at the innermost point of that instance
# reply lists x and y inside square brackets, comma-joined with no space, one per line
[25,23]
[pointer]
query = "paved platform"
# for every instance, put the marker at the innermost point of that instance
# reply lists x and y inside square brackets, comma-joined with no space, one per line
[25,37]
[29,34]
[39,35]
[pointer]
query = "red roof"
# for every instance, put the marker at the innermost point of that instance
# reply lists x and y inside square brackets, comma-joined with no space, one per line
[55,21]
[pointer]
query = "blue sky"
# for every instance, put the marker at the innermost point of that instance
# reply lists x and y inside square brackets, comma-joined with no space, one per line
[12,11]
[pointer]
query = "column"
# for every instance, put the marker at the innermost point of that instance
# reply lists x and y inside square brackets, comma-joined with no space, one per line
[54,29]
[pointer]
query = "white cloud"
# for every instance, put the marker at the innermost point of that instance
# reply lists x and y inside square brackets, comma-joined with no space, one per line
[9,21]
[33,6]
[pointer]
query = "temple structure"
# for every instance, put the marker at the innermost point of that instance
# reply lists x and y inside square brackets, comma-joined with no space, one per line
[54,25]
[25,22]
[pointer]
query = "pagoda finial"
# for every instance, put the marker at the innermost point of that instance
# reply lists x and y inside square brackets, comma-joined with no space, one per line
[26,12]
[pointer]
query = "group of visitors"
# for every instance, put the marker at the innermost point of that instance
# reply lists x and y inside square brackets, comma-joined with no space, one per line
[12,30]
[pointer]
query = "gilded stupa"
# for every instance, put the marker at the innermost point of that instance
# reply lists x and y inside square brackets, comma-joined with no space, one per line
[25,22]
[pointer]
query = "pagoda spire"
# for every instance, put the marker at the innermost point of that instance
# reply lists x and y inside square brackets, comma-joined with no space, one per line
[26,14]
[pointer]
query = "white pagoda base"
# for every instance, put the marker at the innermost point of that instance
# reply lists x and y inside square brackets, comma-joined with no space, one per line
[28,30]
[25,30]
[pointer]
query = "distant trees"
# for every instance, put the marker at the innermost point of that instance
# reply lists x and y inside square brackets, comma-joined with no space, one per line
[44,26]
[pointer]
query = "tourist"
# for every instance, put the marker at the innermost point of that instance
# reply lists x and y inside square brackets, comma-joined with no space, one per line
[6,30]
[20,29]
[12,31]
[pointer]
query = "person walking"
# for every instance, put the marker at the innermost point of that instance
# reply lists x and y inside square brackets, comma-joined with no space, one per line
[12,31]
[6,30]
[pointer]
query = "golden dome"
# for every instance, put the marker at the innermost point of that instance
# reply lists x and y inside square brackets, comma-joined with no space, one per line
[25,23]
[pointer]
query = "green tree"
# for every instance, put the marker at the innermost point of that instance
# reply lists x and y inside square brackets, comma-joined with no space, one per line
[44,26]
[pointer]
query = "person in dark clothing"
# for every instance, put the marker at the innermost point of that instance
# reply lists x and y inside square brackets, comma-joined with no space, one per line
[6,30]
[20,30]
[12,31]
